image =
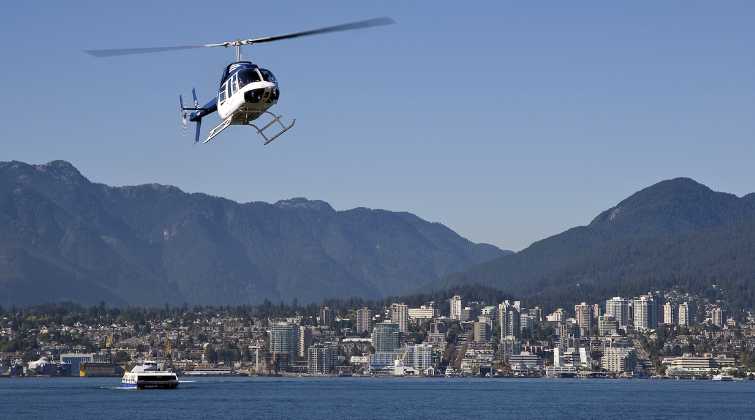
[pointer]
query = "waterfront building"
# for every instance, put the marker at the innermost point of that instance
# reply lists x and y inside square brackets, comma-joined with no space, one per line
[525,363]
[386,340]
[284,343]
[321,359]
[327,316]
[618,359]
[305,340]
[583,314]
[400,316]
[456,307]
[386,337]
[618,308]
[563,358]
[75,360]
[419,357]
[364,320]
[669,313]
[689,365]
[481,332]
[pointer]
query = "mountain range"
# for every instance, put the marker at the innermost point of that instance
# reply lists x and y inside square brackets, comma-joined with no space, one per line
[677,232]
[64,238]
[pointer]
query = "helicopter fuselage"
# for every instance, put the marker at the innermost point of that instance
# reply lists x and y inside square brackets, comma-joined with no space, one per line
[246,92]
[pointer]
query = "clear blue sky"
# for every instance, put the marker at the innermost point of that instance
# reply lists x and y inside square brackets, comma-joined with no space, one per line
[506,121]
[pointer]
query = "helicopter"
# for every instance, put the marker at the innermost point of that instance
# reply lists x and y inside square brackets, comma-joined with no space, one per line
[246,91]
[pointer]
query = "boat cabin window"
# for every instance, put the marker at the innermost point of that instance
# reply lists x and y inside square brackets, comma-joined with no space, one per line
[247,76]
[268,75]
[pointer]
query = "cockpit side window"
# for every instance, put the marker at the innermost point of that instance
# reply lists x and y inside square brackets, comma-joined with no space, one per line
[233,83]
[222,93]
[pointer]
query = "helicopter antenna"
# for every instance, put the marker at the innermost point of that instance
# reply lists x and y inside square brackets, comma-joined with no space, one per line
[362,24]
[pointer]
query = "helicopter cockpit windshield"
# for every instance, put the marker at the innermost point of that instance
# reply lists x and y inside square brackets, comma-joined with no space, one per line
[268,75]
[247,76]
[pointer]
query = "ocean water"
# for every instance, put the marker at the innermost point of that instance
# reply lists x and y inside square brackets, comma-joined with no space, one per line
[376,398]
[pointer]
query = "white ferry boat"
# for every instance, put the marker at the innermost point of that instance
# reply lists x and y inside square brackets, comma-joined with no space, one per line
[149,376]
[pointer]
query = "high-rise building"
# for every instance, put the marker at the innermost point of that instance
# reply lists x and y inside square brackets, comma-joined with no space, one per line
[327,317]
[284,343]
[481,332]
[527,321]
[618,308]
[717,316]
[400,315]
[607,325]
[456,307]
[508,318]
[583,314]
[645,313]
[305,340]
[669,313]
[536,314]
[419,356]
[684,314]
[509,345]
[321,359]
[386,337]
[364,319]
[618,359]
[596,313]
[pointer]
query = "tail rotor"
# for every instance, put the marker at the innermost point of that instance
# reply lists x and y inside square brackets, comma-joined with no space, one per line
[193,113]
[182,111]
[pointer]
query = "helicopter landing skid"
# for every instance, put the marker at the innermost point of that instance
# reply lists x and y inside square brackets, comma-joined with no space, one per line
[275,119]
[220,127]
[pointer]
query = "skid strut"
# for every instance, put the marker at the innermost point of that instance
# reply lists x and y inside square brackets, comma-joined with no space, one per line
[220,127]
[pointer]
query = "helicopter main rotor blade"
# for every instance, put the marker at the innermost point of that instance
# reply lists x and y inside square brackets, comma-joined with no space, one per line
[129,51]
[362,24]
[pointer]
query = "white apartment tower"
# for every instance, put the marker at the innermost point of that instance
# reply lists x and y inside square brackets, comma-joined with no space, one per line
[583,314]
[618,308]
[400,316]
[456,306]
[684,318]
